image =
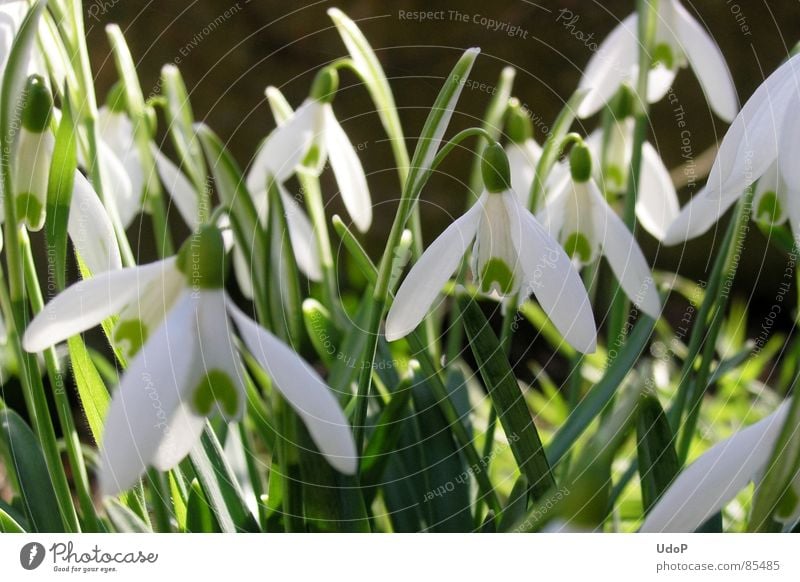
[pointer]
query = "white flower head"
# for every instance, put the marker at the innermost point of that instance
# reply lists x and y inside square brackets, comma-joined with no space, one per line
[657,201]
[88,225]
[189,366]
[305,142]
[680,41]
[512,254]
[714,479]
[579,216]
[761,144]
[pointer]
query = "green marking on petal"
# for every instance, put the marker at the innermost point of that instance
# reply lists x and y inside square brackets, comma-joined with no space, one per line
[769,207]
[497,274]
[133,332]
[30,210]
[577,246]
[663,55]
[615,176]
[216,387]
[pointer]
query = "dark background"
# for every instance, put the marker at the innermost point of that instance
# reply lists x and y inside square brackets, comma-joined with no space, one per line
[257,43]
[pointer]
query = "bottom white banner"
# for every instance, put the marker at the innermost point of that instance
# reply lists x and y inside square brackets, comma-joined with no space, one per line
[350,557]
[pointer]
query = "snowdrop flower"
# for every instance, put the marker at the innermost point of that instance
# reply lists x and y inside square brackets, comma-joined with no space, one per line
[657,201]
[716,477]
[122,165]
[190,364]
[306,141]
[761,144]
[11,16]
[522,150]
[679,41]
[579,216]
[512,254]
[88,225]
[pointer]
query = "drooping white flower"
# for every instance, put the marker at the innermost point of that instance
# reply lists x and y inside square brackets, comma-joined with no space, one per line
[761,144]
[123,168]
[47,58]
[305,142]
[715,478]
[579,216]
[512,254]
[88,225]
[657,201]
[680,41]
[189,366]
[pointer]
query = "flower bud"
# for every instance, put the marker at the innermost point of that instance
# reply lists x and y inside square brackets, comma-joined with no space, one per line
[202,258]
[580,163]
[518,124]
[325,85]
[495,170]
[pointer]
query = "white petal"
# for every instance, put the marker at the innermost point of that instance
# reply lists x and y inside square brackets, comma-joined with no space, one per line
[624,256]
[243,273]
[304,390]
[708,484]
[180,436]
[149,393]
[708,63]
[659,81]
[698,216]
[549,274]
[117,181]
[180,189]
[609,67]
[301,234]
[770,182]
[522,160]
[283,150]
[427,277]
[751,144]
[87,303]
[657,205]
[349,172]
[789,152]
[90,229]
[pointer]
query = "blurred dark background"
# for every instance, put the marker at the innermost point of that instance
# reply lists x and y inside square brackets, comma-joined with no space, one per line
[229,51]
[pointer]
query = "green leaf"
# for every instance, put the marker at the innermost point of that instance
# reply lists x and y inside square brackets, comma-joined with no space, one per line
[516,506]
[383,442]
[437,122]
[446,499]
[123,519]
[22,451]
[199,517]
[658,461]
[8,524]
[357,252]
[59,190]
[220,486]
[92,391]
[507,398]
[601,393]
[321,330]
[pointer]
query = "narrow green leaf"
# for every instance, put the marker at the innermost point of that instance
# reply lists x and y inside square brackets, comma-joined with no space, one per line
[199,517]
[220,486]
[383,442]
[507,398]
[357,252]
[123,519]
[92,390]
[658,461]
[446,499]
[516,506]
[600,394]
[8,524]
[321,330]
[59,191]
[22,451]
[178,495]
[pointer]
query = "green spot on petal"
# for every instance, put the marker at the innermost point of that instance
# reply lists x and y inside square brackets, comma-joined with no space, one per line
[615,176]
[133,332]
[216,387]
[577,246]
[663,55]
[497,274]
[30,210]
[769,207]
